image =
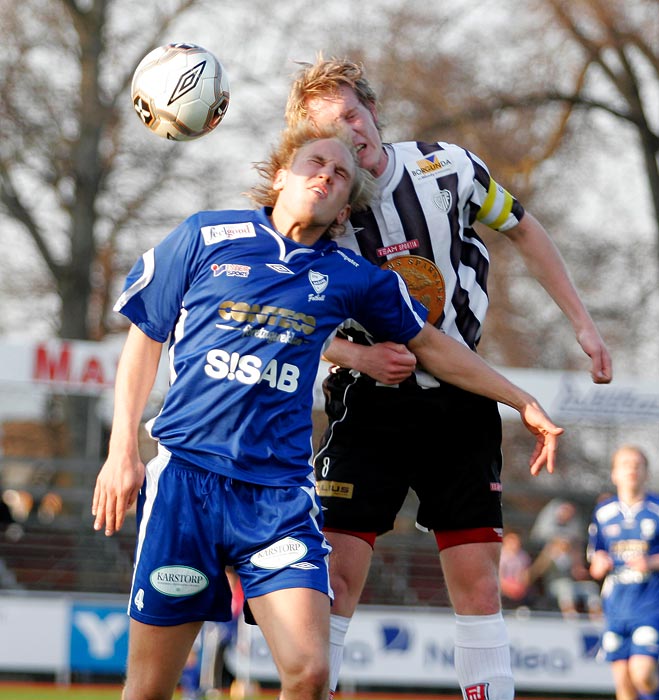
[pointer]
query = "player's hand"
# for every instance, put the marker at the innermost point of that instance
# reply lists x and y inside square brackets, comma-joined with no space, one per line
[592,344]
[600,564]
[117,487]
[546,432]
[387,363]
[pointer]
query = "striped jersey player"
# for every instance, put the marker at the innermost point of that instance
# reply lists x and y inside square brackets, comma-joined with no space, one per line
[430,196]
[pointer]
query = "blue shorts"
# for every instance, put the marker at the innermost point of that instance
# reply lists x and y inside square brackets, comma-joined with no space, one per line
[192,523]
[623,639]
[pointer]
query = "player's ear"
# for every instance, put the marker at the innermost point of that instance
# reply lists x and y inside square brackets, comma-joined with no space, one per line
[279,180]
[343,215]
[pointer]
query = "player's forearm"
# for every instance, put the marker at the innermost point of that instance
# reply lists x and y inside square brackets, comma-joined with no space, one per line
[453,362]
[343,353]
[136,375]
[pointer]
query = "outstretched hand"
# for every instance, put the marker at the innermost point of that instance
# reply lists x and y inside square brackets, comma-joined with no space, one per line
[546,432]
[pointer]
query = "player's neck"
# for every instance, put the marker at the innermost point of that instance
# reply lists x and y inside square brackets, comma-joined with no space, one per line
[630,498]
[301,232]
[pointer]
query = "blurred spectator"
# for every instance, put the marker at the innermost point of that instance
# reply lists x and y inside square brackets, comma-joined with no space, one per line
[561,569]
[558,518]
[514,571]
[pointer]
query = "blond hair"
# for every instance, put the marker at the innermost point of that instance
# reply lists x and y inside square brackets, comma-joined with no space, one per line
[283,155]
[324,78]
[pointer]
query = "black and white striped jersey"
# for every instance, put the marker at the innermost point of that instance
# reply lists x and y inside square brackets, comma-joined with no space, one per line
[430,196]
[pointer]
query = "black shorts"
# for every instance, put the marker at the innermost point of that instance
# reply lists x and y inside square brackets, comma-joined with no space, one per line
[444,443]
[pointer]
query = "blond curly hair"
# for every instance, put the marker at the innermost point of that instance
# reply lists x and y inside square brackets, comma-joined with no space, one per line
[283,155]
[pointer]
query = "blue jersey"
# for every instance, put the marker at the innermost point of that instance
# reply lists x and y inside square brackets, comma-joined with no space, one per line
[626,532]
[248,312]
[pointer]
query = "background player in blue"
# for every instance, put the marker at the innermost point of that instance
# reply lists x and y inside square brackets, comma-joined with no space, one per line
[448,442]
[247,300]
[623,549]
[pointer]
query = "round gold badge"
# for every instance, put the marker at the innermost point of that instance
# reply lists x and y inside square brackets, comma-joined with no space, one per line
[423,279]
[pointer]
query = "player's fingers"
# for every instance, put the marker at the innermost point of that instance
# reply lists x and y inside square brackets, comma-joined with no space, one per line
[98,507]
[602,371]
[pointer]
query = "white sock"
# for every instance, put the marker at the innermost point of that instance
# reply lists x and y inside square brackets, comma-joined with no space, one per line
[482,657]
[338,629]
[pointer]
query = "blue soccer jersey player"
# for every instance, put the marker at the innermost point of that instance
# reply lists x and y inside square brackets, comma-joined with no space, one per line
[247,300]
[623,549]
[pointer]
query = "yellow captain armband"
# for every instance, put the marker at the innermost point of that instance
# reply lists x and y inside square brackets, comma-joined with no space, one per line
[497,206]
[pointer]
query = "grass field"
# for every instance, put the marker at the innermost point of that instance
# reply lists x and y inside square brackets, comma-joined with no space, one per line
[47,691]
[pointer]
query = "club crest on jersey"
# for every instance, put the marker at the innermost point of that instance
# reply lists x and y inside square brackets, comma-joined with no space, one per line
[443,200]
[319,282]
[434,165]
[230,270]
[227,232]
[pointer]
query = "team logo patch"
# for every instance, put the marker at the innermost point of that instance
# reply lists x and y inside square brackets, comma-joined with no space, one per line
[480,691]
[648,528]
[230,270]
[280,554]
[443,200]
[337,489]
[319,282]
[178,581]
[227,232]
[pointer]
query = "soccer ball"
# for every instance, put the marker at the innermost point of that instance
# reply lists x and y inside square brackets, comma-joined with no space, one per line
[180,91]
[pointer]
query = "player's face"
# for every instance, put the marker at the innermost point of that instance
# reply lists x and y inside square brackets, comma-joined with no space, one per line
[315,190]
[629,470]
[344,108]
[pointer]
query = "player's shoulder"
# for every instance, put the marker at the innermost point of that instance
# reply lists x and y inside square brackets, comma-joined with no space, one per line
[607,509]
[652,502]
[345,257]
[426,147]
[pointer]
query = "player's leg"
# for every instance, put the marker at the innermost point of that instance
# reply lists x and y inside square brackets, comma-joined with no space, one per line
[350,561]
[156,657]
[622,680]
[461,502]
[298,642]
[363,482]
[482,651]
[642,663]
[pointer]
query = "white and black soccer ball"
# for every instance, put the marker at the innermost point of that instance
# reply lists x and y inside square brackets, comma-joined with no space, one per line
[180,91]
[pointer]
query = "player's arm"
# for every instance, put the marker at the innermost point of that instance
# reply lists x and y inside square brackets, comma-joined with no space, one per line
[456,364]
[388,363]
[122,475]
[546,264]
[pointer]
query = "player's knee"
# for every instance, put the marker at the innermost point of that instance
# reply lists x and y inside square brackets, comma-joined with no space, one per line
[477,597]
[307,679]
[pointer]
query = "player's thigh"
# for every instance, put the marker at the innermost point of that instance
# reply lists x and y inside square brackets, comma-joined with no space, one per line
[471,573]
[643,672]
[624,687]
[156,657]
[458,467]
[295,624]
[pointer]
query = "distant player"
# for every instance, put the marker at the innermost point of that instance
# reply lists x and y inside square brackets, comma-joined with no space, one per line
[624,547]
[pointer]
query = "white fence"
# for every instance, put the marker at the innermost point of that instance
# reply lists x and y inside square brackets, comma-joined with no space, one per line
[385,646]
